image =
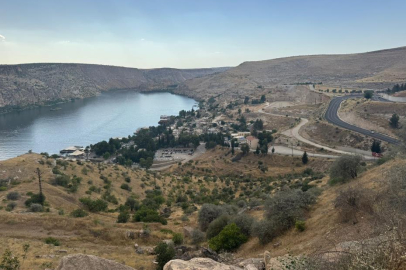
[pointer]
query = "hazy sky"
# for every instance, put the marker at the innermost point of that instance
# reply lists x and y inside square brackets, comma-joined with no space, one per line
[193,33]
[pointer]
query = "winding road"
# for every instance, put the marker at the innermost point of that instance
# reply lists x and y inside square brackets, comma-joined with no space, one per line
[332,117]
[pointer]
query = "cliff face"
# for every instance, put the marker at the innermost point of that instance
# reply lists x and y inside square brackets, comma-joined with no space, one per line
[36,84]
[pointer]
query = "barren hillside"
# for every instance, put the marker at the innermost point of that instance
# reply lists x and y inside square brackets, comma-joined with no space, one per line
[377,70]
[29,84]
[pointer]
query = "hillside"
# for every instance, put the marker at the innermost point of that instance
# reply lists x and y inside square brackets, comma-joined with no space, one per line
[376,70]
[31,84]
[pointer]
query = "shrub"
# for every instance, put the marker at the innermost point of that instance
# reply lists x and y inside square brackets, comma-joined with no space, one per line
[61,180]
[216,226]
[13,196]
[177,238]
[11,206]
[164,253]
[244,222]
[79,213]
[300,225]
[52,241]
[229,239]
[36,207]
[94,205]
[35,198]
[148,215]
[281,212]
[123,217]
[352,201]
[344,169]
[197,237]
[125,187]
[132,203]
[265,230]
[209,212]
[61,212]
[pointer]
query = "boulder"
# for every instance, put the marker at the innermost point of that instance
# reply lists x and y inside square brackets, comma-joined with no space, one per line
[198,264]
[89,262]
[188,231]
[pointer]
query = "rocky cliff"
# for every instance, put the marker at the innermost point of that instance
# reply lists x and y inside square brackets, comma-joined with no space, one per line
[38,84]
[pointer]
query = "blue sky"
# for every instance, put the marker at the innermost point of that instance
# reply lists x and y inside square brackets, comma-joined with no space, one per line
[193,33]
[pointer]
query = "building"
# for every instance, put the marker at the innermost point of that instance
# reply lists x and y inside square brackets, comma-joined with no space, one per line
[252,142]
[71,149]
[77,154]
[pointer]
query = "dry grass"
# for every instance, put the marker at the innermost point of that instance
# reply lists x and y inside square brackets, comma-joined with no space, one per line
[323,229]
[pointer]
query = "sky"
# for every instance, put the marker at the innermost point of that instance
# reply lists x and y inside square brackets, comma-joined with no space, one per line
[193,33]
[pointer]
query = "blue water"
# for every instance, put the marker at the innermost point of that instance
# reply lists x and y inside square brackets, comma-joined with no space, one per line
[85,122]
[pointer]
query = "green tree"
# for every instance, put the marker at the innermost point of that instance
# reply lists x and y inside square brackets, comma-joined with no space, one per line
[164,253]
[263,98]
[229,239]
[305,159]
[394,121]
[345,168]
[273,150]
[246,99]
[123,217]
[368,94]
[376,147]
[245,149]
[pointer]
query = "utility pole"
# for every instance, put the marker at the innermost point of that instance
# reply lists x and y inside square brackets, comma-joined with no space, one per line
[41,195]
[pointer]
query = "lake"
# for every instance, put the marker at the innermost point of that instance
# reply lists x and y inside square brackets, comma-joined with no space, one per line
[84,122]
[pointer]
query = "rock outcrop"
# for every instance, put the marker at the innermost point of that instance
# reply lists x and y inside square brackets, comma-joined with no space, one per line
[89,262]
[198,264]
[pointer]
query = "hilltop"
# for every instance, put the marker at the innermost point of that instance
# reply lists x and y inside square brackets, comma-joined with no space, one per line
[374,70]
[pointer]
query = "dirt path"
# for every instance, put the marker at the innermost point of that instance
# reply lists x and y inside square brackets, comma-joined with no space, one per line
[294,133]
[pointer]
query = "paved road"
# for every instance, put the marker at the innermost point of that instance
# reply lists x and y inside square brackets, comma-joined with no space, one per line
[332,116]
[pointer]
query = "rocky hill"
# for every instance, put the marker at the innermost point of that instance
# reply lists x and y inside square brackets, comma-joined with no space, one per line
[32,84]
[376,70]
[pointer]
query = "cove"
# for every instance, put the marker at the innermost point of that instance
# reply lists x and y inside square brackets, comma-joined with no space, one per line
[84,122]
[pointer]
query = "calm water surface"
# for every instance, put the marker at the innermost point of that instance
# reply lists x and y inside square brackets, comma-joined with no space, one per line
[85,122]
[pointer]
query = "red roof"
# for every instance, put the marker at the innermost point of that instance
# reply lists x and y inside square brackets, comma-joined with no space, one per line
[251,138]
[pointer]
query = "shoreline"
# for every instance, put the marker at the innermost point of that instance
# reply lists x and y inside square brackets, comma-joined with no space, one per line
[17,108]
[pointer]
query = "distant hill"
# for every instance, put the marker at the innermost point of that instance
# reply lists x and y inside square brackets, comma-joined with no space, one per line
[32,84]
[376,70]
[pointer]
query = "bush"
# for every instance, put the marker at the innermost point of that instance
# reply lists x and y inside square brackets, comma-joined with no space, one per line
[148,215]
[123,217]
[344,169]
[177,239]
[209,212]
[94,205]
[35,198]
[164,253]
[281,212]
[216,226]
[13,196]
[197,237]
[52,241]
[265,230]
[36,207]
[229,239]
[79,213]
[300,225]
[61,180]
[352,201]
[244,222]
[125,187]
[11,206]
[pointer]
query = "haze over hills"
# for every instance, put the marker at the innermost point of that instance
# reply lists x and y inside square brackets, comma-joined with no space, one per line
[376,70]
[28,84]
